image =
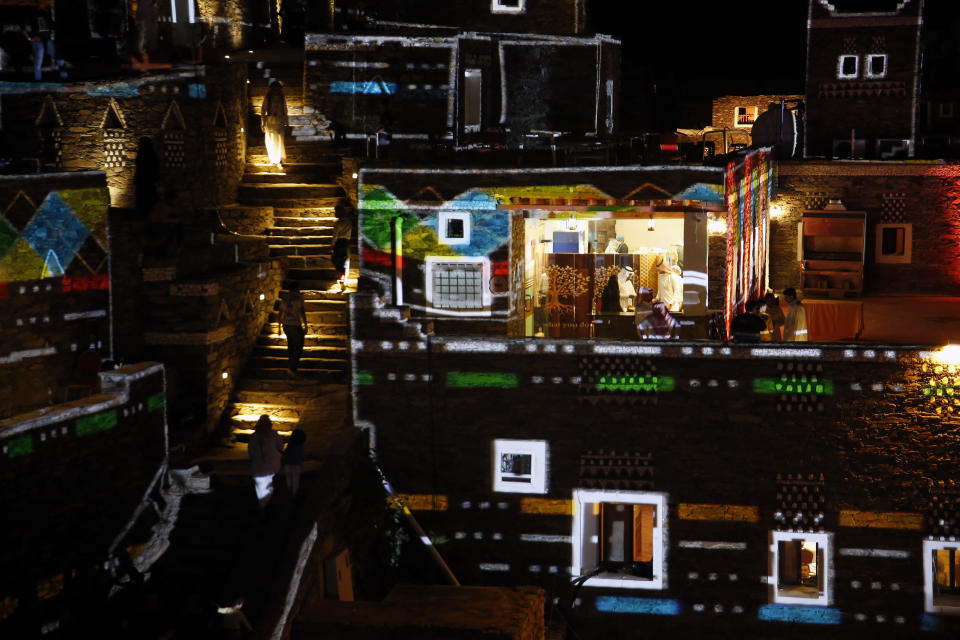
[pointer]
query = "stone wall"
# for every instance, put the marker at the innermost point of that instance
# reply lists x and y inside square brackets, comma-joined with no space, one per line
[709,428]
[560,17]
[195,119]
[725,114]
[71,476]
[923,195]
[228,23]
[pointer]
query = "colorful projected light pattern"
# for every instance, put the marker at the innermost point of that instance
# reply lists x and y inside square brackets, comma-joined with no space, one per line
[749,192]
[942,387]
[64,236]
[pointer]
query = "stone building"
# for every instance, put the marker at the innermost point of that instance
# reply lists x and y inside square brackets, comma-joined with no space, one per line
[733,118]
[858,63]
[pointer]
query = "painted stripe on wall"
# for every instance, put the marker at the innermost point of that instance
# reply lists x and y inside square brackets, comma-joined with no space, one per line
[712,545]
[650,606]
[881,519]
[794,613]
[424,501]
[876,553]
[547,506]
[719,512]
[545,537]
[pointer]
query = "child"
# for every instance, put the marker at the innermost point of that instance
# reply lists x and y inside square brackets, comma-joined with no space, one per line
[293,459]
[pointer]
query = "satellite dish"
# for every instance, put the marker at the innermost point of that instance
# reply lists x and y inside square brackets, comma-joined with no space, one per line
[776,127]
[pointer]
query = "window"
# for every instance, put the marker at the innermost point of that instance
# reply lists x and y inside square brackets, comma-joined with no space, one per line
[508,6]
[457,283]
[453,227]
[472,99]
[744,116]
[876,66]
[619,539]
[941,576]
[520,466]
[801,567]
[848,67]
[894,243]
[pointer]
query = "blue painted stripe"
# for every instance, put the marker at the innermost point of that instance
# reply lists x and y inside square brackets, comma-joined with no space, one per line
[794,613]
[368,87]
[652,606]
[116,90]
[19,88]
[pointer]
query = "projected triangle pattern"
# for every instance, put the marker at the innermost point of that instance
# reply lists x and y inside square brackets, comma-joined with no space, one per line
[56,228]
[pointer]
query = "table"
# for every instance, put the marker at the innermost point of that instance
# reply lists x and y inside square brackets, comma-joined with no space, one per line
[833,320]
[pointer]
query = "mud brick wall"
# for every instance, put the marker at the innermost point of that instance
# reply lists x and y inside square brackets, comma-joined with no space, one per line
[716,441]
[199,141]
[926,196]
[203,327]
[227,23]
[243,219]
[725,109]
[71,476]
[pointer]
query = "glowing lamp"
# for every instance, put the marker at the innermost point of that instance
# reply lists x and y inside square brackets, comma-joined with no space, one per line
[224,375]
[354,175]
[949,355]
[717,225]
[227,56]
[776,211]
[262,297]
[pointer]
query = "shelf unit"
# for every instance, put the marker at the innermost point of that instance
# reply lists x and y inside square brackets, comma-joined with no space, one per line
[832,247]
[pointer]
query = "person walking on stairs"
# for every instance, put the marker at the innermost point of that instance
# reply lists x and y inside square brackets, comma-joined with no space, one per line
[342,230]
[265,450]
[273,122]
[293,324]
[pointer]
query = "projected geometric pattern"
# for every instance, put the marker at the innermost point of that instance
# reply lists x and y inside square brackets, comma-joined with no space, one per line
[55,228]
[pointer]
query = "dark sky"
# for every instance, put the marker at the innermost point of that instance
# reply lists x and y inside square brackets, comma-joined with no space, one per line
[684,53]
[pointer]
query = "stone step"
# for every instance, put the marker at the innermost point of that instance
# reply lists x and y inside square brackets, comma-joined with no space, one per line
[296,398]
[249,412]
[337,352]
[290,190]
[322,262]
[310,223]
[317,249]
[314,151]
[312,273]
[315,318]
[303,172]
[289,203]
[284,384]
[320,282]
[324,376]
[307,363]
[270,339]
[298,239]
[333,304]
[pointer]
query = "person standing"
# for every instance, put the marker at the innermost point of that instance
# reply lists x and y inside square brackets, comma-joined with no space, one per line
[293,460]
[342,230]
[795,325]
[293,324]
[748,325]
[659,325]
[775,318]
[273,122]
[264,450]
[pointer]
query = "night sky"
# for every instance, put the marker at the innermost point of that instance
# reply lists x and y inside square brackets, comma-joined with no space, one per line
[677,56]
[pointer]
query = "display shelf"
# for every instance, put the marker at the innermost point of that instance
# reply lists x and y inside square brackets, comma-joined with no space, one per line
[832,247]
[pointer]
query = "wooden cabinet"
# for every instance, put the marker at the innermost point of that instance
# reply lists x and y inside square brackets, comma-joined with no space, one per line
[832,245]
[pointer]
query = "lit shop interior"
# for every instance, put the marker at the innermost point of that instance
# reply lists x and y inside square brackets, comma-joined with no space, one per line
[638,257]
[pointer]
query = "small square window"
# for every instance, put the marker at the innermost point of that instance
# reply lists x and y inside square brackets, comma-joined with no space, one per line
[848,67]
[744,116]
[453,227]
[508,6]
[619,539]
[894,243]
[941,577]
[876,66]
[520,466]
[801,568]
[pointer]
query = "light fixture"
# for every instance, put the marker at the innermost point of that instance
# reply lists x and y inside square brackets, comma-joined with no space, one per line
[224,375]
[776,211]
[355,176]
[651,225]
[227,56]
[249,50]
[262,297]
[717,225]
[241,129]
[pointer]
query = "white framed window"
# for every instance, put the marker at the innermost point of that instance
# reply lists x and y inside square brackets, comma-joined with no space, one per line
[876,66]
[941,577]
[508,6]
[453,227]
[472,99]
[848,67]
[801,567]
[744,116]
[456,284]
[894,243]
[520,466]
[619,538]
[945,110]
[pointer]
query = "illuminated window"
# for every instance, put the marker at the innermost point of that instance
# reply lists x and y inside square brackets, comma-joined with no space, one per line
[472,99]
[508,6]
[941,576]
[848,67]
[800,566]
[876,66]
[894,243]
[619,539]
[744,116]
[453,227]
[458,283]
[520,466]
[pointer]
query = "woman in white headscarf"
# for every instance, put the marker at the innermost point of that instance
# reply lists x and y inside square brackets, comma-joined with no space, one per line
[273,121]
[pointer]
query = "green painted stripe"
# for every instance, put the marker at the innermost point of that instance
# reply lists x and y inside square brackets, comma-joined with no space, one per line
[364,378]
[469,379]
[804,385]
[20,446]
[156,401]
[95,423]
[637,383]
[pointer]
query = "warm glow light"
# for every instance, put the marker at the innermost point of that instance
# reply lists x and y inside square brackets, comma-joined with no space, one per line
[717,225]
[262,297]
[949,355]
[224,375]
[355,176]
[776,211]
[227,57]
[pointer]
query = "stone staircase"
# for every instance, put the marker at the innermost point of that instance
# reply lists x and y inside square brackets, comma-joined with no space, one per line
[303,196]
